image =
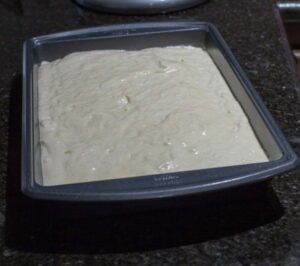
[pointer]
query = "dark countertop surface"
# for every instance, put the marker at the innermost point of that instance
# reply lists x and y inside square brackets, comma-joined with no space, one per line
[248,227]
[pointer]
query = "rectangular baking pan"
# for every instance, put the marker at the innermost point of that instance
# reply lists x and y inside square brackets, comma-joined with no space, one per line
[135,37]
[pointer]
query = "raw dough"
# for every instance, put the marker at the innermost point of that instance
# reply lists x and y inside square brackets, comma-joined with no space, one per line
[113,114]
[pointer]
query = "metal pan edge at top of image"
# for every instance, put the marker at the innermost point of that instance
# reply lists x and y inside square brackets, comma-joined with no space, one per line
[139,6]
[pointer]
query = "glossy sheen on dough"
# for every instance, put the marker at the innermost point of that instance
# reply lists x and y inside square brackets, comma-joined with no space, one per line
[114,114]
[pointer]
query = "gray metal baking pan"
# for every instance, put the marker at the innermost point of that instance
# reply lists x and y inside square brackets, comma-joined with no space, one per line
[133,37]
[139,6]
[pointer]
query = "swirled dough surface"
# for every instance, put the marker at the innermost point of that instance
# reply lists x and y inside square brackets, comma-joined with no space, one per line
[113,114]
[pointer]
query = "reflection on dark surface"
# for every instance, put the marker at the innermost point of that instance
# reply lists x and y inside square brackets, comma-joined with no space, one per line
[290,18]
[86,228]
